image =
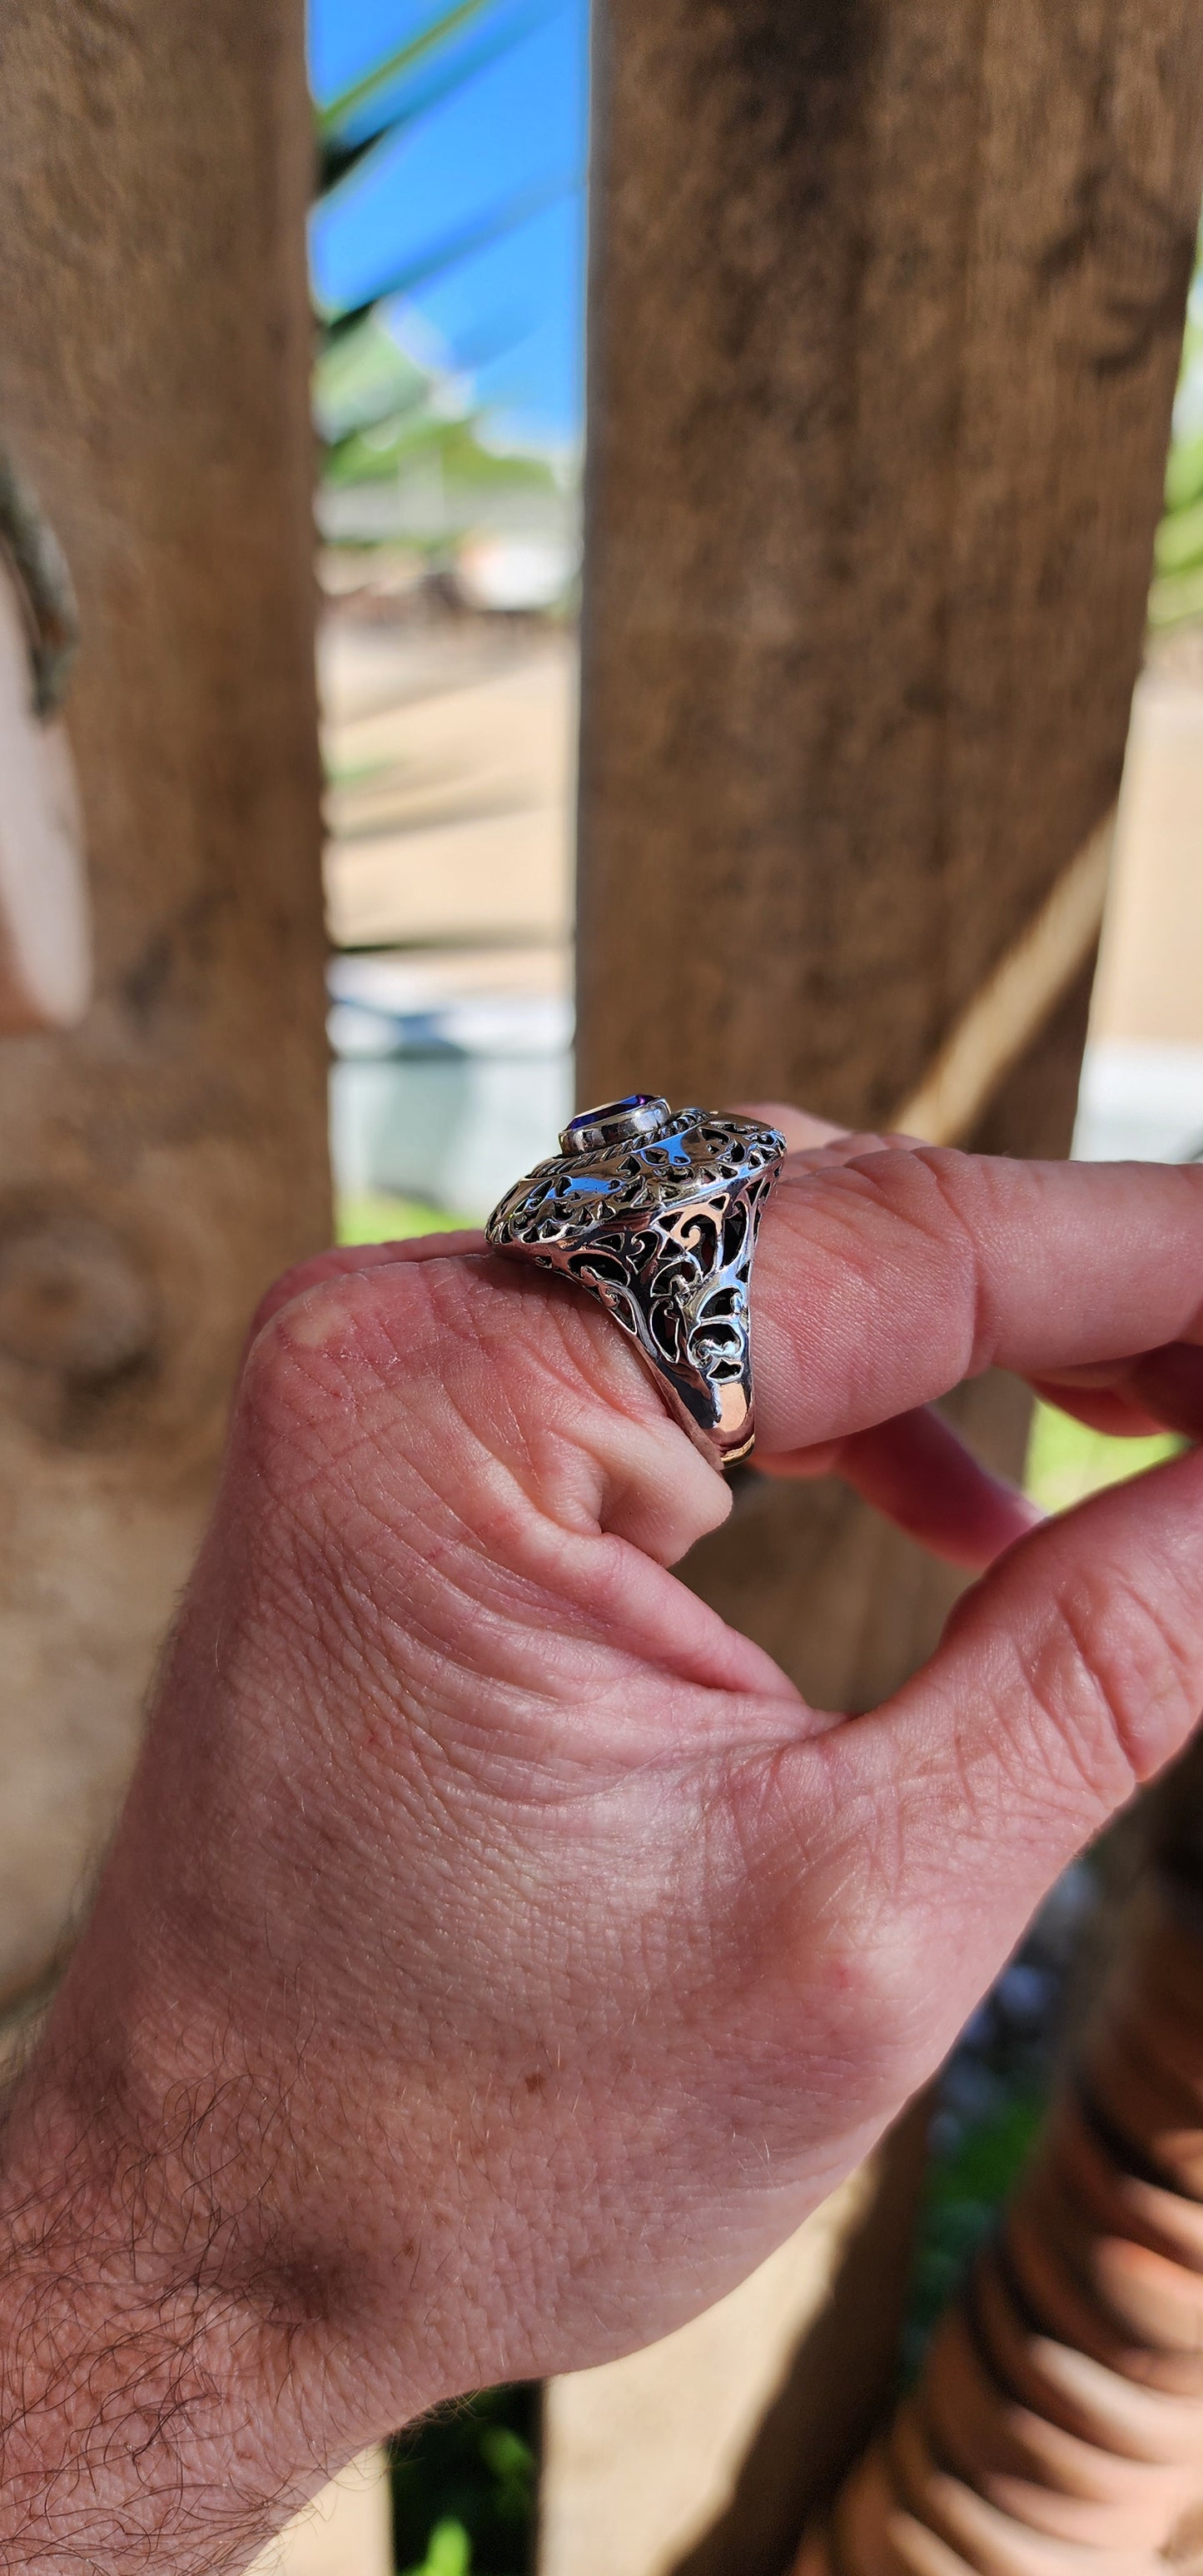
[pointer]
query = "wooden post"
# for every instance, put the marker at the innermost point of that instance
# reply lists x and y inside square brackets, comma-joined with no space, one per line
[885,313]
[886,307]
[161,1163]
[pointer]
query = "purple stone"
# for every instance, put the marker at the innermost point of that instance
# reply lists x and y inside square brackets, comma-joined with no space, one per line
[630,1121]
[611,1109]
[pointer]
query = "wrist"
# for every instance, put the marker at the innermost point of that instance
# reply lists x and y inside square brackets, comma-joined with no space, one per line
[163,2390]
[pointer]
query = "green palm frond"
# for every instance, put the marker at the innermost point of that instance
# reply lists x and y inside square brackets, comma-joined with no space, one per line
[415,440]
[479,233]
[362,376]
[372,85]
[405,455]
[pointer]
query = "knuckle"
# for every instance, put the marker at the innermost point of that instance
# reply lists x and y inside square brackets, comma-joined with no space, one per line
[291,1283]
[273,1406]
[541,1352]
[312,1359]
[470,1392]
[469,1358]
[942,1198]
[894,1212]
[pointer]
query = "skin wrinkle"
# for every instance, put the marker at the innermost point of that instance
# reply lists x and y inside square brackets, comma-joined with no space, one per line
[848,1193]
[517,1589]
[569,1347]
[531,1595]
[515,1691]
[1109,1669]
[581,1343]
[834,1242]
[851,1902]
[341,1590]
[739,1933]
[980,1330]
[1085,1609]
[1031,1764]
[442,1583]
[1045,1791]
[575,1347]
[566,1347]
[525,1591]
[977,1792]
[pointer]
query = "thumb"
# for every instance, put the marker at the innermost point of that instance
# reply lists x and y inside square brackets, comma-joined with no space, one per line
[1064,1679]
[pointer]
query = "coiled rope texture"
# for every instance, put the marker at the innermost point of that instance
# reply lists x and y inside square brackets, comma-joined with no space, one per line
[1057,2426]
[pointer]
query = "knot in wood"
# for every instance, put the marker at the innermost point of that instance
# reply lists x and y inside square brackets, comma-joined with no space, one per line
[74,1302]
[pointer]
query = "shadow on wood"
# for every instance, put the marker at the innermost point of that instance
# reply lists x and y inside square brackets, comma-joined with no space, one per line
[839,2382]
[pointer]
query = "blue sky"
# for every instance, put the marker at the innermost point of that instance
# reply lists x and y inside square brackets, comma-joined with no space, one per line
[469,216]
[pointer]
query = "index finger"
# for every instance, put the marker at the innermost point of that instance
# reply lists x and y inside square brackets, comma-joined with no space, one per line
[883,1282]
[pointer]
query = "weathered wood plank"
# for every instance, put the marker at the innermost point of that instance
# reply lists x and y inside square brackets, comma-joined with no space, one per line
[159,1164]
[885,314]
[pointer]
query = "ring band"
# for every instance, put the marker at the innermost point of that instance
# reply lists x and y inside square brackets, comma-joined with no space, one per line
[657,1216]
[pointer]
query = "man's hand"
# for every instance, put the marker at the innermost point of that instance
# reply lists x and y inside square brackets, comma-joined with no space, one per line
[496,1958]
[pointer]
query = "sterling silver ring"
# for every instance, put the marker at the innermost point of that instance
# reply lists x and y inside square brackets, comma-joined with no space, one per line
[657,1215]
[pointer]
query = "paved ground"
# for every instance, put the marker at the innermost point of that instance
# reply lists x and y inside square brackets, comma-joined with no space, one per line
[450,758]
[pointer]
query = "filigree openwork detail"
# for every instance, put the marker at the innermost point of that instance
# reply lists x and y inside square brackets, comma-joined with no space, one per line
[662,1230]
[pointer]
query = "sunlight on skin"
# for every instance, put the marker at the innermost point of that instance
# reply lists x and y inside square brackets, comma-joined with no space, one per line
[496,1958]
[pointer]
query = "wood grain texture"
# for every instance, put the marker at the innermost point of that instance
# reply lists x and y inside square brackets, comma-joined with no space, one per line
[159,1165]
[886,305]
[885,312]
[840,2377]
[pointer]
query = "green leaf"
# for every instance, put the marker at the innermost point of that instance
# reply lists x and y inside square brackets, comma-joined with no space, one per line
[480,233]
[419,441]
[1176,599]
[370,86]
[448,2552]
[1179,542]
[362,377]
[1184,474]
[441,2475]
